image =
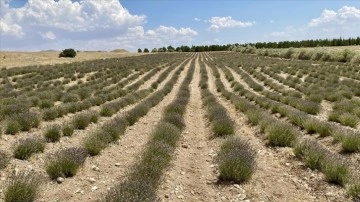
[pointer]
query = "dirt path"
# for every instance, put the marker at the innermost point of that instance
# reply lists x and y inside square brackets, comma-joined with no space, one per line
[113,162]
[326,108]
[278,176]
[191,176]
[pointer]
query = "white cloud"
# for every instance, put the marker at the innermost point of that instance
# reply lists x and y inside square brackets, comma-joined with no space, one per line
[344,22]
[197,19]
[161,36]
[10,29]
[86,24]
[48,35]
[218,23]
[345,16]
[271,21]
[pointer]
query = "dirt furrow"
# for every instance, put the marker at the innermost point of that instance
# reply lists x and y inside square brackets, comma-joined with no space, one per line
[191,176]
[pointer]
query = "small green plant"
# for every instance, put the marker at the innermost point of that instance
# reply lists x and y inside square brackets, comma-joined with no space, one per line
[94,143]
[44,104]
[280,134]
[12,127]
[67,129]
[25,120]
[351,142]
[354,190]
[175,119]
[52,133]
[28,146]
[49,114]
[236,160]
[336,171]
[22,187]
[65,162]
[348,119]
[223,127]
[107,111]
[4,159]
[167,133]
[81,121]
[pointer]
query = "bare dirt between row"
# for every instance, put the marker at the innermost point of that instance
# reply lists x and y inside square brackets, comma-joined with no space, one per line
[191,176]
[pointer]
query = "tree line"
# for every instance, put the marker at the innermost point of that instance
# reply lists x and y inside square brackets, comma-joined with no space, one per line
[282,44]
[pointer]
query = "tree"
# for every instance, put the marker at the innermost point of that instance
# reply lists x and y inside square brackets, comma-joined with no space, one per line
[154,50]
[139,50]
[170,49]
[69,53]
[146,50]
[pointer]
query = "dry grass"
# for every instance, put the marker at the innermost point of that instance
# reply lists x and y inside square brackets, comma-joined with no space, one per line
[19,59]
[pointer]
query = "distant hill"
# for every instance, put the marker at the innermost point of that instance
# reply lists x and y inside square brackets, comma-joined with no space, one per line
[119,51]
[49,51]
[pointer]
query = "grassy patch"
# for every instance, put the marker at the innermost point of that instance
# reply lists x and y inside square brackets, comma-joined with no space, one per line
[280,134]
[336,171]
[12,127]
[28,146]
[22,187]
[67,129]
[53,133]
[81,121]
[351,142]
[65,162]
[93,144]
[348,119]
[236,160]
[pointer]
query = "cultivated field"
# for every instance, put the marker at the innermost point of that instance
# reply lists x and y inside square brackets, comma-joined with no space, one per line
[209,126]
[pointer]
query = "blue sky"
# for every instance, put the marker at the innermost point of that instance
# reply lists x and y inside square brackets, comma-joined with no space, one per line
[131,24]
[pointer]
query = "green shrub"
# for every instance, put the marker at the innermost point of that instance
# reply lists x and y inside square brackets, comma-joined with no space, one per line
[53,133]
[50,114]
[12,127]
[69,52]
[94,143]
[44,104]
[236,160]
[67,129]
[131,190]
[254,116]
[94,117]
[334,116]
[4,159]
[65,162]
[81,121]
[351,143]
[107,111]
[175,119]
[354,190]
[336,171]
[28,146]
[133,115]
[223,127]
[167,133]
[26,120]
[22,187]
[280,134]
[69,97]
[348,119]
